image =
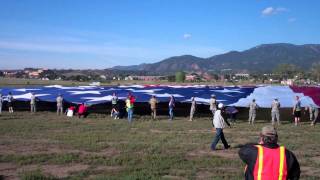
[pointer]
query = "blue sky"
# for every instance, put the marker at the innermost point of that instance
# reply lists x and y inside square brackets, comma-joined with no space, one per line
[104,33]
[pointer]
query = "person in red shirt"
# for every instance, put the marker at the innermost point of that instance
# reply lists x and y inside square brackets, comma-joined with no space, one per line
[83,111]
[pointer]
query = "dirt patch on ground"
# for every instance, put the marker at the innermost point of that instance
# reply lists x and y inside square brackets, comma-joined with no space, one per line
[172,177]
[109,168]
[241,140]
[200,131]
[8,171]
[204,174]
[316,159]
[156,131]
[310,171]
[105,152]
[63,171]
[33,149]
[230,153]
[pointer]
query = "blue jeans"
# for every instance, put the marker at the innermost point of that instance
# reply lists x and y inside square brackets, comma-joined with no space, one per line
[115,114]
[219,135]
[130,113]
[171,113]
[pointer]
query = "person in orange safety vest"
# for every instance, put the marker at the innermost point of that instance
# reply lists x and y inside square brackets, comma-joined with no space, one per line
[267,160]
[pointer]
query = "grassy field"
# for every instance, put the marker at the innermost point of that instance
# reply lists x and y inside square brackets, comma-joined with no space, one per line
[45,146]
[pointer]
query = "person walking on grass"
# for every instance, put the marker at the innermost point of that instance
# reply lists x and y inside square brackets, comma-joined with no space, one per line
[267,160]
[253,106]
[313,113]
[10,102]
[275,111]
[171,107]
[1,102]
[153,106]
[193,108]
[33,100]
[213,104]
[114,103]
[59,104]
[219,124]
[296,111]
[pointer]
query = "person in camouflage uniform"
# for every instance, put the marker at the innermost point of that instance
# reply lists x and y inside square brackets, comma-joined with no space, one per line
[253,106]
[275,111]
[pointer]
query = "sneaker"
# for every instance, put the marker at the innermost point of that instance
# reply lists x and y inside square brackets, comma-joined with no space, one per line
[227,147]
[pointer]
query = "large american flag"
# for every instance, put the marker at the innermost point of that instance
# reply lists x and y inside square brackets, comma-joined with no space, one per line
[239,96]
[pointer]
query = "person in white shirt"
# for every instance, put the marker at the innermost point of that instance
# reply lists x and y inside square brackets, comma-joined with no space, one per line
[219,123]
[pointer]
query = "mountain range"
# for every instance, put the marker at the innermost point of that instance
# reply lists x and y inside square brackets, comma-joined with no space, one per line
[262,58]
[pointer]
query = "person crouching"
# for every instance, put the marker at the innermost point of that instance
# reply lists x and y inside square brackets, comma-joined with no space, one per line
[82,111]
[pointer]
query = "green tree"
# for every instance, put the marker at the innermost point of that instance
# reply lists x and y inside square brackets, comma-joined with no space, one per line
[180,76]
[286,71]
[315,71]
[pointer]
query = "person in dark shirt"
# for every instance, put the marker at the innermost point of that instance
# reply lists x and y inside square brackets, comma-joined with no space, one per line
[268,160]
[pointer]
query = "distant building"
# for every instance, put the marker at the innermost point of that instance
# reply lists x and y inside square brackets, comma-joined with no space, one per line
[128,78]
[242,75]
[147,78]
[34,73]
[103,77]
[95,84]
[10,73]
[190,77]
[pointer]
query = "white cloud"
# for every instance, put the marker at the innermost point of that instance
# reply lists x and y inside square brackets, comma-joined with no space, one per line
[272,10]
[187,36]
[267,11]
[291,20]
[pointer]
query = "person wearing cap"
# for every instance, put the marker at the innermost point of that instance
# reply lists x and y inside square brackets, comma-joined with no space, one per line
[213,104]
[268,160]
[219,124]
[313,113]
[253,106]
[153,106]
[59,104]
[275,111]
[296,111]
[33,99]
[192,108]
